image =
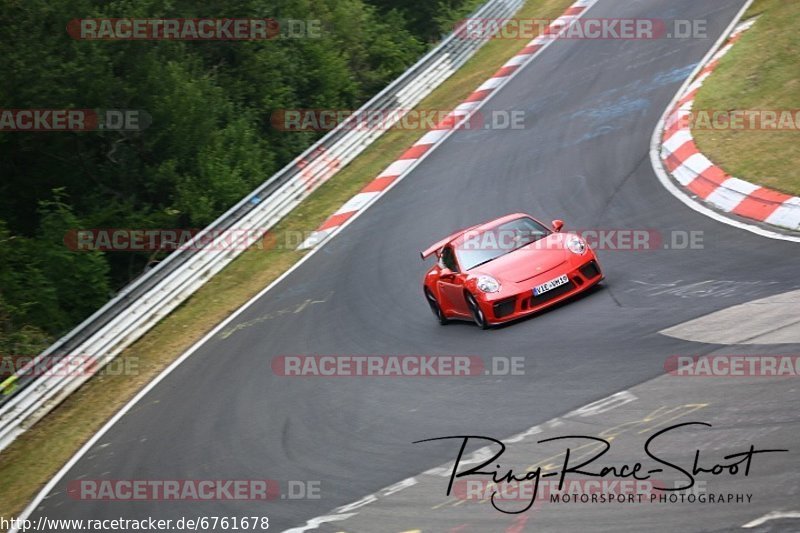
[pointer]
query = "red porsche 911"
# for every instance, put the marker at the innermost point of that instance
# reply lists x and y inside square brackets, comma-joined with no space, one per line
[506,269]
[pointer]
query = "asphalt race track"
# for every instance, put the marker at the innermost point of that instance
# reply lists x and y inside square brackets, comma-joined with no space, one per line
[583,156]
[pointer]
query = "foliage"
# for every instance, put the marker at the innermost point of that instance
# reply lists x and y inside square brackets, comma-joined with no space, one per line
[209,143]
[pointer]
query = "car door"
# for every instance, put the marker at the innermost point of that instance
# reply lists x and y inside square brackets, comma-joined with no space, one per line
[451,287]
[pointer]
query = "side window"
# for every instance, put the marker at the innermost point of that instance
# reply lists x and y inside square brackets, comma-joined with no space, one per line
[449,259]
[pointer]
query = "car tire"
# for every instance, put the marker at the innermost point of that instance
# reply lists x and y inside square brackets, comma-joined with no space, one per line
[477,313]
[436,308]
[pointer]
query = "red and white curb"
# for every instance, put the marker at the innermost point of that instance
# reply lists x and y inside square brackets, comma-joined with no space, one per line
[703,179]
[452,122]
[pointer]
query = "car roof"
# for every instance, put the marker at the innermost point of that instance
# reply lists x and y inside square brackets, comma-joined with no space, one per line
[491,224]
[458,237]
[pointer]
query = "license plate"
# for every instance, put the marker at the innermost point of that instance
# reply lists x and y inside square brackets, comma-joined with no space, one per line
[550,285]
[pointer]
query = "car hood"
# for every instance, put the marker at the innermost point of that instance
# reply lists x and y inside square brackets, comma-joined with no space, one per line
[529,261]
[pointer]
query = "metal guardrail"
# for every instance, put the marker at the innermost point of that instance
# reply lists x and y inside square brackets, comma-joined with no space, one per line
[25,398]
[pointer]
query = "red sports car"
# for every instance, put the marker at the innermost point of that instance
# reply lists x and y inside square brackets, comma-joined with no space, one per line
[506,269]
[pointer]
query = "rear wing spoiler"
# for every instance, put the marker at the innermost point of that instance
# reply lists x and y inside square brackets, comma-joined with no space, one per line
[424,254]
[436,248]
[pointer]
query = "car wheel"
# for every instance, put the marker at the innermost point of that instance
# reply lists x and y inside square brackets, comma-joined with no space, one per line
[477,312]
[436,308]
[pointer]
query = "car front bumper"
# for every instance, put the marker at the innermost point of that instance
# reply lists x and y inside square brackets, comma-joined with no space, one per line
[505,307]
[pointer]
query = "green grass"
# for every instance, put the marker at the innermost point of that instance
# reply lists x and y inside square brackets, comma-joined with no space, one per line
[38,454]
[762,72]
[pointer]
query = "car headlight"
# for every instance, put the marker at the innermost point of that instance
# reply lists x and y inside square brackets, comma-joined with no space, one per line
[488,284]
[576,245]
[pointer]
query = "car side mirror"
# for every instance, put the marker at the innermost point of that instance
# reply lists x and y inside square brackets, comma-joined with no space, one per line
[557,225]
[446,273]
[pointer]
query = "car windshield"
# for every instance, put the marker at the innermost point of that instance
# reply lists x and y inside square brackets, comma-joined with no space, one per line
[480,247]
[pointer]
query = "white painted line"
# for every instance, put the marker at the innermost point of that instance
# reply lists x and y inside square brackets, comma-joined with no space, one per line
[314,523]
[492,83]
[357,202]
[676,141]
[696,84]
[684,112]
[722,51]
[432,137]
[742,187]
[744,26]
[516,60]
[541,39]
[601,406]
[563,21]
[684,174]
[397,168]
[774,515]
[787,215]
[698,163]
[729,195]
[466,106]
[671,120]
